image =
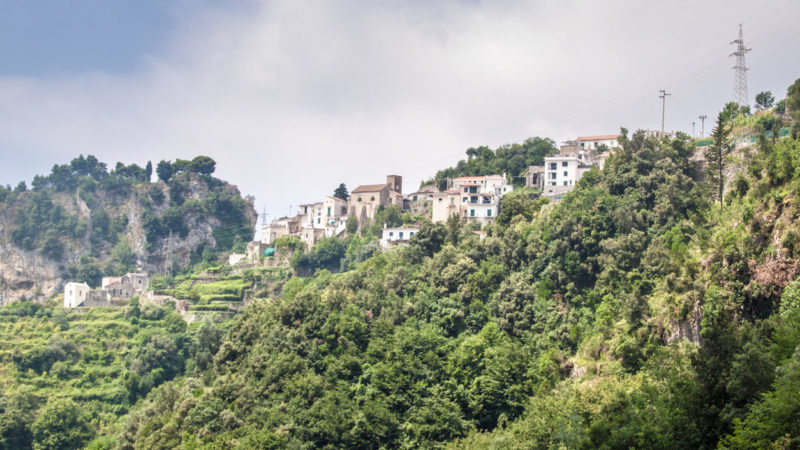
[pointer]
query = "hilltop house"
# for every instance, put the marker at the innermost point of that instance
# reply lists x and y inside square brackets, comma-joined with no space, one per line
[277,228]
[561,173]
[420,202]
[397,235]
[124,287]
[610,141]
[366,199]
[471,198]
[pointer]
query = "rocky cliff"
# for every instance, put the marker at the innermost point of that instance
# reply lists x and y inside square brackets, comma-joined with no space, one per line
[110,223]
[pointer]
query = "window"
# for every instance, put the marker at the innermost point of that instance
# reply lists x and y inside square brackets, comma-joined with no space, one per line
[565,173]
[489,213]
[473,199]
[552,175]
[329,208]
[410,234]
[466,189]
[564,164]
[472,212]
[372,199]
[318,222]
[391,233]
[359,199]
[400,235]
[415,198]
[553,166]
[565,182]
[553,183]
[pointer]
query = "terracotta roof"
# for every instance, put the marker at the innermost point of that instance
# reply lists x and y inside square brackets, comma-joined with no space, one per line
[336,198]
[601,137]
[369,188]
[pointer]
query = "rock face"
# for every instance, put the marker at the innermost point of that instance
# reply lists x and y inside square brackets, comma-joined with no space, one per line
[30,275]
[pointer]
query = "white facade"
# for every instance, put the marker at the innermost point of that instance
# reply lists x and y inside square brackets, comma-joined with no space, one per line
[236,258]
[397,235]
[495,184]
[333,209]
[561,174]
[75,294]
[595,142]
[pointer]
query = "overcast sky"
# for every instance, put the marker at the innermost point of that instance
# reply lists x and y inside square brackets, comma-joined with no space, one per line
[293,97]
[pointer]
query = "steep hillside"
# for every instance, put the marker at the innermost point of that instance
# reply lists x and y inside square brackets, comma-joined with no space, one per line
[634,313]
[82,222]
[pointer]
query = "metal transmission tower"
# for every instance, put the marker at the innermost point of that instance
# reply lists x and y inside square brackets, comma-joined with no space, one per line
[663,98]
[740,80]
[702,124]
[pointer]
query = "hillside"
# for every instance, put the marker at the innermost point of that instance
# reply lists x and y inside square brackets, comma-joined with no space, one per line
[83,221]
[637,312]
[641,311]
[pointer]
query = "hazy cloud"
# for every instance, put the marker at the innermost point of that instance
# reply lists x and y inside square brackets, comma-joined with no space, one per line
[292,98]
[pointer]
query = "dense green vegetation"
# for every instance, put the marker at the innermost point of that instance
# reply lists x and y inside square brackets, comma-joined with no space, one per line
[644,310]
[512,160]
[69,376]
[566,326]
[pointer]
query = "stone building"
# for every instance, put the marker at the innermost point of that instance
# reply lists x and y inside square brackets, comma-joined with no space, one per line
[366,199]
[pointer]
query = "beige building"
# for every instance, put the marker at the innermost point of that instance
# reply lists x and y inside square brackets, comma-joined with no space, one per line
[366,199]
[446,204]
[277,228]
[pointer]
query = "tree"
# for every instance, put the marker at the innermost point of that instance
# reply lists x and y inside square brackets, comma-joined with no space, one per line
[341,192]
[793,103]
[123,259]
[148,169]
[164,170]
[764,100]
[62,424]
[352,225]
[203,165]
[717,154]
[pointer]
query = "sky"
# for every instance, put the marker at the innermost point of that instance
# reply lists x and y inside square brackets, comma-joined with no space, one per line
[292,98]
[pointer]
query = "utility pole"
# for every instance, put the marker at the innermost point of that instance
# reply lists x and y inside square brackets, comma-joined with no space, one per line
[692,130]
[663,98]
[702,125]
[740,70]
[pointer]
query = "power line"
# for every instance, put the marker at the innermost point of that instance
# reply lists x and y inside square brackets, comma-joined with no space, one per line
[740,78]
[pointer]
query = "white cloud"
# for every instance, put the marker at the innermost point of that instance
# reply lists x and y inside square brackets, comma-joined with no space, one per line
[292,98]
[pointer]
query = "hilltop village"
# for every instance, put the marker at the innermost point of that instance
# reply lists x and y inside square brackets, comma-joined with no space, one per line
[473,199]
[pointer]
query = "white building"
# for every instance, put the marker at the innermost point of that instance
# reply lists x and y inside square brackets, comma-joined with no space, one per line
[495,184]
[333,209]
[397,235]
[236,258]
[595,142]
[75,294]
[561,174]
